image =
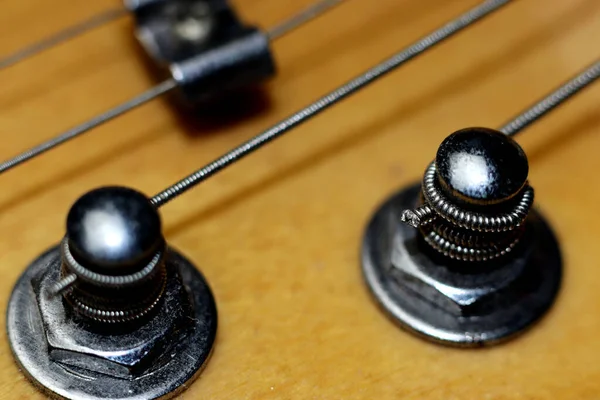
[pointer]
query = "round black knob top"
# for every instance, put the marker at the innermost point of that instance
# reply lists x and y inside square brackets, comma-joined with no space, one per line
[481,166]
[114,230]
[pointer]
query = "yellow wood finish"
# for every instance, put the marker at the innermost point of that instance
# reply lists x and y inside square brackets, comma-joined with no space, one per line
[278,234]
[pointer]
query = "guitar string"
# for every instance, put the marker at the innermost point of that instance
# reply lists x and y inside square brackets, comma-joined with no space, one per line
[304,16]
[553,100]
[419,47]
[311,12]
[62,36]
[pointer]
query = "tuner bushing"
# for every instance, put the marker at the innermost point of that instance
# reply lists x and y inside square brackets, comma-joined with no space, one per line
[462,259]
[112,312]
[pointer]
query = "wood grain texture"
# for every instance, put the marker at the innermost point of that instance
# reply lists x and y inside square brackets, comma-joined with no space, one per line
[278,234]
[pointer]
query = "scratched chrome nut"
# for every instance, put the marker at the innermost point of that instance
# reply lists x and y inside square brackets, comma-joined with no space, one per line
[74,345]
[460,294]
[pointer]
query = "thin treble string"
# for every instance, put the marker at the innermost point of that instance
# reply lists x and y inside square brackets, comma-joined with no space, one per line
[140,99]
[301,18]
[419,47]
[62,36]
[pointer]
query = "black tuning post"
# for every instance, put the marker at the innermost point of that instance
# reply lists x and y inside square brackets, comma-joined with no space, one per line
[480,167]
[463,258]
[112,312]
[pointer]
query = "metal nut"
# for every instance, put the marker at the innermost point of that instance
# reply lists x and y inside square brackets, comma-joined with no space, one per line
[72,344]
[465,293]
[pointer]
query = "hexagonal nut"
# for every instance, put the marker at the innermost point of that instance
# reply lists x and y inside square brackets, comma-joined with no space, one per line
[456,293]
[123,355]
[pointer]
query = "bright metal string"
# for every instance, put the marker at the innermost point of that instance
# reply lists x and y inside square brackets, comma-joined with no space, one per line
[140,99]
[278,31]
[553,100]
[62,36]
[378,71]
[301,18]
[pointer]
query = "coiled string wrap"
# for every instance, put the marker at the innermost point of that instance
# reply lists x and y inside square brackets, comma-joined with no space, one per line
[466,235]
[111,299]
